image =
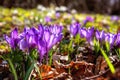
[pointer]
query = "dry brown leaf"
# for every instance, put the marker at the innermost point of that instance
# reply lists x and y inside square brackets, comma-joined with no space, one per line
[47,72]
[79,69]
[101,65]
[63,76]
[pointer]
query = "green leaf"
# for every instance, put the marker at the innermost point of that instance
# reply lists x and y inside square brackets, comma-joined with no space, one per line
[111,67]
[29,71]
[96,46]
[37,68]
[12,69]
[77,38]
[2,57]
[70,45]
[107,45]
[50,59]
[118,53]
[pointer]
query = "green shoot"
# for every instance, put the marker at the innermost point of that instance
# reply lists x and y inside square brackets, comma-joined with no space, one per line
[107,45]
[12,69]
[70,48]
[111,67]
[118,53]
[77,39]
[96,46]
[28,73]
[50,55]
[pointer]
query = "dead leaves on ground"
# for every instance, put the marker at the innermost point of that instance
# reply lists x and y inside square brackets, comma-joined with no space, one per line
[76,70]
[73,70]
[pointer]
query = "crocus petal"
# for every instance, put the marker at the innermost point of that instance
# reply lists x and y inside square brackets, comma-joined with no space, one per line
[110,38]
[42,48]
[13,39]
[51,41]
[74,28]
[57,14]
[83,32]
[118,40]
[23,45]
[114,18]
[47,19]
[32,41]
[90,32]
[40,28]
[9,41]
[26,29]
[57,39]
[88,19]
[34,31]
[14,33]
[97,35]
[46,35]
[55,29]
[100,35]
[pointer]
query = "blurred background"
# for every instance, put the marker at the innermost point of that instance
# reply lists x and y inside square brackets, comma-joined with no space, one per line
[88,6]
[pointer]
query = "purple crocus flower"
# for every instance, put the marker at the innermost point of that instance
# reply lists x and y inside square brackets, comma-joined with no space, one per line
[88,34]
[83,32]
[100,35]
[13,39]
[51,38]
[51,35]
[41,48]
[57,14]
[56,29]
[88,19]
[32,41]
[117,42]
[47,19]
[115,18]
[26,30]
[24,42]
[35,34]
[74,29]
[46,35]
[29,39]
[41,29]
[43,42]
[111,39]
[23,45]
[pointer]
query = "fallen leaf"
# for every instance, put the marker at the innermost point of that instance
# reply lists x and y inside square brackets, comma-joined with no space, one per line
[79,69]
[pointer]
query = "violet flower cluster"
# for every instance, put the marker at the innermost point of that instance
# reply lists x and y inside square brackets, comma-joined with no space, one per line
[42,38]
[91,33]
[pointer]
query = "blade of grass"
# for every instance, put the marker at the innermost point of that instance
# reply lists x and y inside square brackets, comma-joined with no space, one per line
[111,67]
[13,69]
[37,68]
[118,53]
[96,46]
[29,71]
[50,59]
[107,46]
